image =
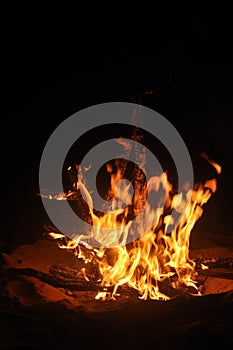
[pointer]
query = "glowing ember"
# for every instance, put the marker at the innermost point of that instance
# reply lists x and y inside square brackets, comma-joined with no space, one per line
[157,255]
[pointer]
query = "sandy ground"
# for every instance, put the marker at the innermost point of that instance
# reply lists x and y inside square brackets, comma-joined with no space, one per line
[37,315]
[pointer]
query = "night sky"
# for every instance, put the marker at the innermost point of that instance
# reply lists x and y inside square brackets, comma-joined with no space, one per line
[189,71]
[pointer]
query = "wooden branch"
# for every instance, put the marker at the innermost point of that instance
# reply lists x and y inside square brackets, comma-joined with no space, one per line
[225,262]
[72,284]
[78,283]
[76,280]
[212,272]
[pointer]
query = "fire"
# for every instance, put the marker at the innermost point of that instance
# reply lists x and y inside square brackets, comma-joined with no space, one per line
[158,255]
[212,162]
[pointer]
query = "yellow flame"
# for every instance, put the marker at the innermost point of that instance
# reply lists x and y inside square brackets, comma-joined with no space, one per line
[155,256]
[204,267]
[56,235]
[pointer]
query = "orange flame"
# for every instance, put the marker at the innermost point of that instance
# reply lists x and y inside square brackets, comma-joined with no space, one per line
[157,255]
[212,162]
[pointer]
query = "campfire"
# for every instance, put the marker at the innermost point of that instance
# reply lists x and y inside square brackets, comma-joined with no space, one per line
[116,281]
[157,265]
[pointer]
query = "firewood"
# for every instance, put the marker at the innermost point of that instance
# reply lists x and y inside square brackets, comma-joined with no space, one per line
[72,284]
[217,272]
[225,262]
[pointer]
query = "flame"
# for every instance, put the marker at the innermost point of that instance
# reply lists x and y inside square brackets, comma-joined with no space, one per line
[157,255]
[212,162]
[204,267]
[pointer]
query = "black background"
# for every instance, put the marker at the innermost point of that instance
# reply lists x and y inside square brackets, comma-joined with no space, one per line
[46,77]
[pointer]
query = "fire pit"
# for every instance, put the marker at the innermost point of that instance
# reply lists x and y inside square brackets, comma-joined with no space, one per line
[141,241]
[161,289]
[48,298]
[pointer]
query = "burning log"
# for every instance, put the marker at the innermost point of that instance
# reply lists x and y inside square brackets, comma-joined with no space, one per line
[50,267]
[55,279]
[219,267]
[220,273]
[76,280]
[215,262]
[71,279]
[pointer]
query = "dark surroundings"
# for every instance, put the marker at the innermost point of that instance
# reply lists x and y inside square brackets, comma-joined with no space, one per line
[191,76]
[191,80]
